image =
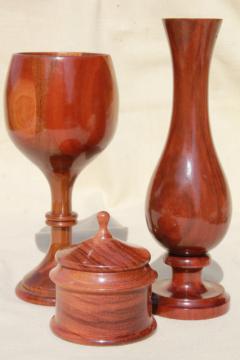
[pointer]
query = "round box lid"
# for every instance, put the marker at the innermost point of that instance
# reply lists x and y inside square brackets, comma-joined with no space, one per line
[103,253]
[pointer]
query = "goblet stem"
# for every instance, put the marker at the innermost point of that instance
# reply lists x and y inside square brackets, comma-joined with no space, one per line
[36,287]
[61,190]
[61,218]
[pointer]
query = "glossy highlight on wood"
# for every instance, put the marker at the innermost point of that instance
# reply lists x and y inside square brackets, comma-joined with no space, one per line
[61,111]
[188,205]
[103,291]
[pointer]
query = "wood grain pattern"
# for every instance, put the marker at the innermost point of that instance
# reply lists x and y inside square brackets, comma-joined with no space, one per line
[95,255]
[61,111]
[188,203]
[105,299]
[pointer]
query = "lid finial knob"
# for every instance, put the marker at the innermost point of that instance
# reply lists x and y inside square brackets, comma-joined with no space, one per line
[103,220]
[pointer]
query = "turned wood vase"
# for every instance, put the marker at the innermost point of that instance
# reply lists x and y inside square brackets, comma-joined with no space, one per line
[103,291]
[188,204]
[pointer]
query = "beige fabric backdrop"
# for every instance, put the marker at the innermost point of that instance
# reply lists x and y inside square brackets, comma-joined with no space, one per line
[132,32]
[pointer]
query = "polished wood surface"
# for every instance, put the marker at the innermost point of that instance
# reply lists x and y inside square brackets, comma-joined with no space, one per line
[61,111]
[188,203]
[95,255]
[102,296]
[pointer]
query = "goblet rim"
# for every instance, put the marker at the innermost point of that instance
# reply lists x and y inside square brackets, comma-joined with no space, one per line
[61,54]
[192,19]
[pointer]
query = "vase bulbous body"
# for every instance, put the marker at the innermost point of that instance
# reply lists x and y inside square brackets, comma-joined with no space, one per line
[188,204]
[61,111]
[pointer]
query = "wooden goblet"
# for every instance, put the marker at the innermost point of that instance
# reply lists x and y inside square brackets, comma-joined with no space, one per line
[61,110]
[188,204]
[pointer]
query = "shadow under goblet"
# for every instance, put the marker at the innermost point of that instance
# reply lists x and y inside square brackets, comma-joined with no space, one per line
[61,111]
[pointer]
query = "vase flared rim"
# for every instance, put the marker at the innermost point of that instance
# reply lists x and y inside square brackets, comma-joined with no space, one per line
[60,54]
[192,19]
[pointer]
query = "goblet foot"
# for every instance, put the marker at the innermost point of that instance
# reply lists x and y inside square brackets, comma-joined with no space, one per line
[36,287]
[35,295]
[186,297]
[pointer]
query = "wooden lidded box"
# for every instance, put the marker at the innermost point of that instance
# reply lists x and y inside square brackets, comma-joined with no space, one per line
[103,291]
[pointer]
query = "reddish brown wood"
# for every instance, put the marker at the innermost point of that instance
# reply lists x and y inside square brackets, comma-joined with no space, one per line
[188,203]
[61,112]
[103,291]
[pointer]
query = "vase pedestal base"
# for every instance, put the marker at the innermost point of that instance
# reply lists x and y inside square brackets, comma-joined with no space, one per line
[216,303]
[186,296]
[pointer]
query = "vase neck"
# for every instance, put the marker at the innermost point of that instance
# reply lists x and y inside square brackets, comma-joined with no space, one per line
[191,43]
